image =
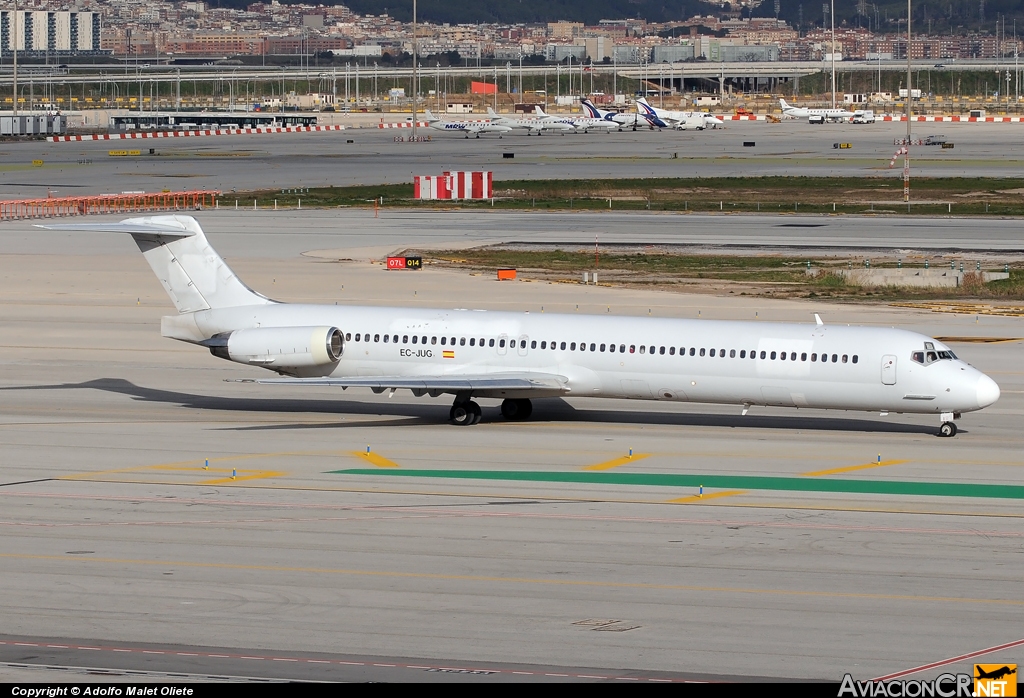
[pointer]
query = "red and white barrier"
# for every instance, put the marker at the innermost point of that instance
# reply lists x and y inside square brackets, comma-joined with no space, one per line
[739,117]
[957,119]
[454,185]
[131,135]
[403,124]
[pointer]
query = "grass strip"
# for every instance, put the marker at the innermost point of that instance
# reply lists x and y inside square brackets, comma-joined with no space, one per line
[790,484]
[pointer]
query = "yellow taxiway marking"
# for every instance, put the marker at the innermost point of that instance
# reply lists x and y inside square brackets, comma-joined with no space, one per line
[616,462]
[851,468]
[711,495]
[546,581]
[255,475]
[375,459]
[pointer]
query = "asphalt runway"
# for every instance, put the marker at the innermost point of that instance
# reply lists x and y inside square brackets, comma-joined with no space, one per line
[244,163]
[468,553]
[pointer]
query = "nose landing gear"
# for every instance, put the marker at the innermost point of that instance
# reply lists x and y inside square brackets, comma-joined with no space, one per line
[948,426]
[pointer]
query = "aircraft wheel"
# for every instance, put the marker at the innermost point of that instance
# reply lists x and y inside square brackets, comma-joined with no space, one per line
[516,410]
[475,412]
[947,429]
[460,414]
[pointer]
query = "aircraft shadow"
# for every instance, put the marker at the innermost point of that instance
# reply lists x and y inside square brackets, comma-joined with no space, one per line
[547,409]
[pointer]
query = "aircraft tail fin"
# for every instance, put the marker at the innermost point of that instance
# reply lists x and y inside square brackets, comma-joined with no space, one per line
[428,117]
[783,104]
[491,113]
[538,111]
[190,270]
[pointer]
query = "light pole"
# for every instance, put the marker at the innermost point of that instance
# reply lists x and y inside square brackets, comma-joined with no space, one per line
[910,95]
[832,17]
[416,74]
[15,55]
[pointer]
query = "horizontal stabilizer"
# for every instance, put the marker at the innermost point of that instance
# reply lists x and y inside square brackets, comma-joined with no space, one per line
[131,226]
[458,383]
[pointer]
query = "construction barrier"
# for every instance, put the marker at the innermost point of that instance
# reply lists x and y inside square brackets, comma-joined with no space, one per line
[453,185]
[186,134]
[957,119]
[135,202]
[403,124]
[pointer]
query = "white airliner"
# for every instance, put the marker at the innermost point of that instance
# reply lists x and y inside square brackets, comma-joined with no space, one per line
[804,112]
[519,356]
[680,120]
[531,124]
[578,123]
[466,127]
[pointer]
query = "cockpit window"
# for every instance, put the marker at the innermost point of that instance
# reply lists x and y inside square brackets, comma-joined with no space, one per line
[931,356]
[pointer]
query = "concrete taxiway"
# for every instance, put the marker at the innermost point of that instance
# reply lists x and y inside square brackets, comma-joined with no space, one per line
[268,162]
[505,551]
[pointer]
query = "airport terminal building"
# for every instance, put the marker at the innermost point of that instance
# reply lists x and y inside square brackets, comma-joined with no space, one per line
[40,33]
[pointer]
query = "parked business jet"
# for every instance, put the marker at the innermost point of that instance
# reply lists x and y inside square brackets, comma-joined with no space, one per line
[680,120]
[578,123]
[804,112]
[520,356]
[466,127]
[619,119]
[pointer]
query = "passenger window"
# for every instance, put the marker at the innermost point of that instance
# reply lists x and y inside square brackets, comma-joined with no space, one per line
[405,339]
[632,348]
[376,338]
[661,350]
[443,341]
[824,358]
[773,355]
[533,344]
[835,358]
[712,352]
[622,348]
[472,341]
[501,343]
[643,349]
[693,350]
[782,356]
[602,347]
[386,339]
[452,341]
[611,348]
[415,339]
[490,342]
[562,346]
[357,336]
[844,358]
[721,353]
[792,356]
[671,351]
[814,358]
[592,346]
[462,341]
[854,358]
[522,344]
[572,347]
[743,353]
[348,336]
[732,353]
[543,345]
[702,351]
[651,350]
[803,357]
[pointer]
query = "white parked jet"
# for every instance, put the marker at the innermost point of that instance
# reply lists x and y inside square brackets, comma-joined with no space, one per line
[531,124]
[804,112]
[519,356]
[680,120]
[466,127]
[578,123]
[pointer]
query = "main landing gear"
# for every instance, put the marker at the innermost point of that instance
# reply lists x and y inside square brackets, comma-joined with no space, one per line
[948,426]
[466,413]
[516,410]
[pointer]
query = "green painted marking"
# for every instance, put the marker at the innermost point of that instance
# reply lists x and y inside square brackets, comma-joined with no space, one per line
[793,484]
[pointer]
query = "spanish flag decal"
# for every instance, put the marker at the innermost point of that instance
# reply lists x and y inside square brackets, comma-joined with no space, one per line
[448,354]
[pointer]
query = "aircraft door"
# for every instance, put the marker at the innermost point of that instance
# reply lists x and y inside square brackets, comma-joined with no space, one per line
[524,341]
[502,344]
[888,370]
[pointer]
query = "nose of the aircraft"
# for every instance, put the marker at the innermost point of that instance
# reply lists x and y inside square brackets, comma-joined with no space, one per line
[988,391]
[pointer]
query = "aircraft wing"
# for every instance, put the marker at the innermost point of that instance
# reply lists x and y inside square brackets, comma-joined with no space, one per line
[455,383]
